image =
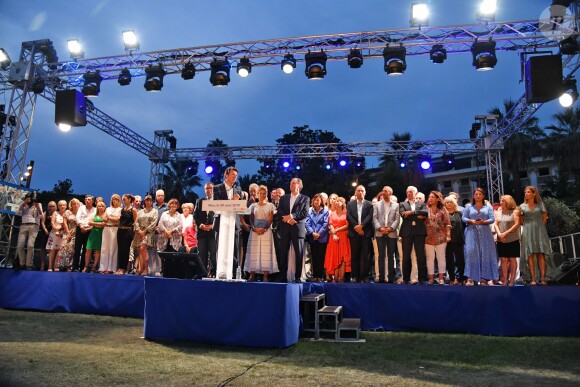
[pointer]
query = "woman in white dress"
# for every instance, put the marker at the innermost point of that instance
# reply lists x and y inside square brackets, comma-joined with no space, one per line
[109,247]
[261,256]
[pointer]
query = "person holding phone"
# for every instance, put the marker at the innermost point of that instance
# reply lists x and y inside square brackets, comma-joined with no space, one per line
[480,251]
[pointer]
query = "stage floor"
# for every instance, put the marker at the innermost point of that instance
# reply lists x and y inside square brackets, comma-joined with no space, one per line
[501,311]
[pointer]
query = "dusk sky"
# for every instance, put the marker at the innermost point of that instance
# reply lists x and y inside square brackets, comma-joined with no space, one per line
[432,101]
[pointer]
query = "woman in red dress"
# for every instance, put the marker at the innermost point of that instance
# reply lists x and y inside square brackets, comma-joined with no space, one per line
[337,259]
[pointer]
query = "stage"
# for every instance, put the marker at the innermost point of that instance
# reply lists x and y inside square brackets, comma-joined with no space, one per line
[267,314]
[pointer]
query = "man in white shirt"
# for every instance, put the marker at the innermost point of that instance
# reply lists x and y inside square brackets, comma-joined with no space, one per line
[84,214]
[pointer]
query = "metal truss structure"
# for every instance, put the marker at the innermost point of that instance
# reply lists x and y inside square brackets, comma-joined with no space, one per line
[37,65]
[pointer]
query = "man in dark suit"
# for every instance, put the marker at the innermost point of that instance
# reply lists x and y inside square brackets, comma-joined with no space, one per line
[228,190]
[359,213]
[292,211]
[386,221]
[206,241]
[413,233]
[275,196]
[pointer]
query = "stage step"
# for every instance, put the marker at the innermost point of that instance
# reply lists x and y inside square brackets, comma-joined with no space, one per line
[349,330]
[328,319]
[310,304]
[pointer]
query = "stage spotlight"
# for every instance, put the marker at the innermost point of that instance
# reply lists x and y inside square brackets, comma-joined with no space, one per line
[474,129]
[298,165]
[210,167]
[402,162]
[124,77]
[220,72]
[38,86]
[328,164]
[154,78]
[4,59]
[438,54]
[395,60]
[569,46]
[315,65]
[355,58]
[285,164]
[448,160]
[288,64]
[484,58]
[268,163]
[130,40]
[419,15]
[244,67]
[342,162]
[75,49]
[188,71]
[359,163]
[486,10]
[425,162]
[570,93]
[92,86]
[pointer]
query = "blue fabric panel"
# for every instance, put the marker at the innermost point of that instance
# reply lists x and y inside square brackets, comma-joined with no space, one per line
[72,292]
[230,313]
[501,311]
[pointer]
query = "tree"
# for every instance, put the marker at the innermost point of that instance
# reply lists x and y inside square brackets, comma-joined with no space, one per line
[520,147]
[62,190]
[564,140]
[400,178]
[179,180]
[562,220]
[314,175]
[216,161]
[246,180]
[63,187]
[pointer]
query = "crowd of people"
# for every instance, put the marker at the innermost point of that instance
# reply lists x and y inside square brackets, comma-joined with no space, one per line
[292,238]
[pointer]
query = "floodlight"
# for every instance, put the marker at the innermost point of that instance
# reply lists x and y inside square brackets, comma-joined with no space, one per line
[92,85]
[220,72]
[419,15]
[124,77]
[395,60]
[570,94]
[359,163]
[288,64]
[484,58]
[342,162]
[75,49]
[188,71]
[448,160]
[355,58]
[486,10]
[154,78]
[315,65]
[210,167]
[4,59]
[244,67]
[285,164]
[64,127]
[438,54]
[130,40]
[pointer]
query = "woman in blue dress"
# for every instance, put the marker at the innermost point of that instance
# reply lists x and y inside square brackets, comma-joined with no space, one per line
[480,252]
[535,241]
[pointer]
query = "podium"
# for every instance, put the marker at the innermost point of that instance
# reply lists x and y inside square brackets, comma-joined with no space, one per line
[228,211]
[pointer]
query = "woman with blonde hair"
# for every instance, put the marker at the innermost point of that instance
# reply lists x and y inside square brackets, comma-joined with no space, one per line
[109,246]
[507,229]
[337,260]
[55,239]
[64,259]
[144,238]
[535,241]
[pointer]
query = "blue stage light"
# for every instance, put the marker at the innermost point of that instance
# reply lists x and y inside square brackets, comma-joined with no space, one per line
[342,162]
[208,169]
[286,164]
[425,164]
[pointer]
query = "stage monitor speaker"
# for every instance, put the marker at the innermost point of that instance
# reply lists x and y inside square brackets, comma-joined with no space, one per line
[70,108]
[182,265]
[544,78]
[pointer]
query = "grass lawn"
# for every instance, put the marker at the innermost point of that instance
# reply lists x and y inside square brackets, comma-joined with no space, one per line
[55,349]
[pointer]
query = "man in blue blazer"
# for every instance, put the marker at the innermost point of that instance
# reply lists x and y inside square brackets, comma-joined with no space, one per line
[292,213]
[359,214]
[386,222]
[413,233]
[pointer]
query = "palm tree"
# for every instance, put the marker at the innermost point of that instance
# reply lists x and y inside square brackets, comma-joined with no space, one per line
[219,167]
[179,180]
[564,140]
[520,147]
